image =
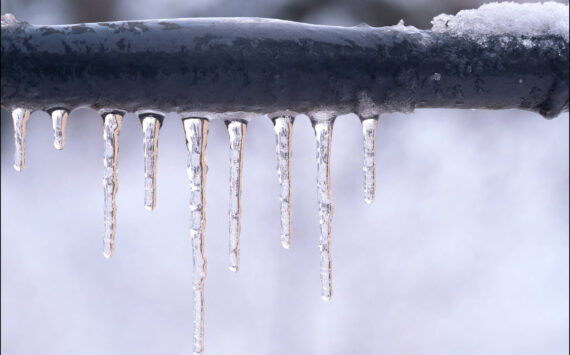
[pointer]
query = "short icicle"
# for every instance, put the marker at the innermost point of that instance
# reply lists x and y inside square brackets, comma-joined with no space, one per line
[236,131]
[20,117]
[59,121]
[112,121]
[196,130]
[283,126]
[369,168]
[323,124]
[151,127]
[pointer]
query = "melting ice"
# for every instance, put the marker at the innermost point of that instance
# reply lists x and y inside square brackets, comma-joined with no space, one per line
[369,168]
[112,123]
[236,131]
[151,127]
[323,124]
[283,126]
[196,131]
[59,121]
[20,117]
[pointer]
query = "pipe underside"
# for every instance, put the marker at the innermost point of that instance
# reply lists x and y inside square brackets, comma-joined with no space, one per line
[263,66]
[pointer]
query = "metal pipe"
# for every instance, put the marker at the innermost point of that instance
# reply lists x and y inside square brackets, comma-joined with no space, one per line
[261,66]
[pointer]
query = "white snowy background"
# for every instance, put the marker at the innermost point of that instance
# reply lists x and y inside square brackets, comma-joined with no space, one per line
[464,251]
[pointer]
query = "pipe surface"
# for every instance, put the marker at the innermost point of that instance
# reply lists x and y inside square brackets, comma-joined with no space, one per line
[262,66]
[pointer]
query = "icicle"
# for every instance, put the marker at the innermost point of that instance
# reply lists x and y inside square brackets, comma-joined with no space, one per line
[283,126]
[196,136]
[323,124]
[59,121]
[20,117]
[236,131]
[151,127]
[113,122]
[369,167]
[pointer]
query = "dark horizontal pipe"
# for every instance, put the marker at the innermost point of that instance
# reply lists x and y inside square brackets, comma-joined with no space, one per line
[261,66]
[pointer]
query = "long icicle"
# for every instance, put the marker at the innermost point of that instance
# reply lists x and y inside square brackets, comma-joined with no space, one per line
[111,131]
[196,130]
[151,128]
[283,126]
[20,117]
[323,124]
[59,122]
[369,168]
[236,131]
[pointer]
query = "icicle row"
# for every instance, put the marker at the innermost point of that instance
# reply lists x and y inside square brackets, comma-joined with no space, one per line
[196,130]
[283,126]
[59,122]
[151,128]
[110,184]
[369,168]
[323,123]
[236,131]
[20,117]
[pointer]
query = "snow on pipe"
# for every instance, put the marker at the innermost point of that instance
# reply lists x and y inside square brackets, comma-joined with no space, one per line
[237,69]
[261,65]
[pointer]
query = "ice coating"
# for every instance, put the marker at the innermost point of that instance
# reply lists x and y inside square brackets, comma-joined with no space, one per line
[112,122]
[151,128]
[533,19]
[323,133]
[236,131]
[283,126]
[369,168]
[59,121]
[20,118]
[196,130]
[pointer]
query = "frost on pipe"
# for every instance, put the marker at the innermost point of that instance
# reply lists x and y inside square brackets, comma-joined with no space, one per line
[498,56]
[262,65]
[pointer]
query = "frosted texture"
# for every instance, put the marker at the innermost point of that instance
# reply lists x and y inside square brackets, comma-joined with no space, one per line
[548,18]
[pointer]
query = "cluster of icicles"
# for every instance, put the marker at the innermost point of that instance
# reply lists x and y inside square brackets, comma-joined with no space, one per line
[196,130]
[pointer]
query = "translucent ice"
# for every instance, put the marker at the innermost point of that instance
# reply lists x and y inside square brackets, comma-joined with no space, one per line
[20,117]
[283,126]
[236,131]
[59,121]
[151,128]
[369,139]
[110,184]
[196,130]
[323,123]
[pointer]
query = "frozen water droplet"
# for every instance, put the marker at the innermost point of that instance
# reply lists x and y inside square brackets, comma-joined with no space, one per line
[283,126]
[59,121]
[436,77]
[112,122]
[323,124]
[20,117]
[369,139]
[151,127]
[196,130]
[236,131]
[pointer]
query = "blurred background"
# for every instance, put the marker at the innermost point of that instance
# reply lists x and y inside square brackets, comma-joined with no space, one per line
[464,251]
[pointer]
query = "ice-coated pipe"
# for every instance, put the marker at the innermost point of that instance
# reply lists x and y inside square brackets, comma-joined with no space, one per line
[261,65]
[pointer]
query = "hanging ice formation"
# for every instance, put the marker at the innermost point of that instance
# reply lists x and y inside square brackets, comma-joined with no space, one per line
[20,117]
[59,121]
[196,131]
[112,125]
[236,132]
[151,127]
[323,124]
[283,124]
